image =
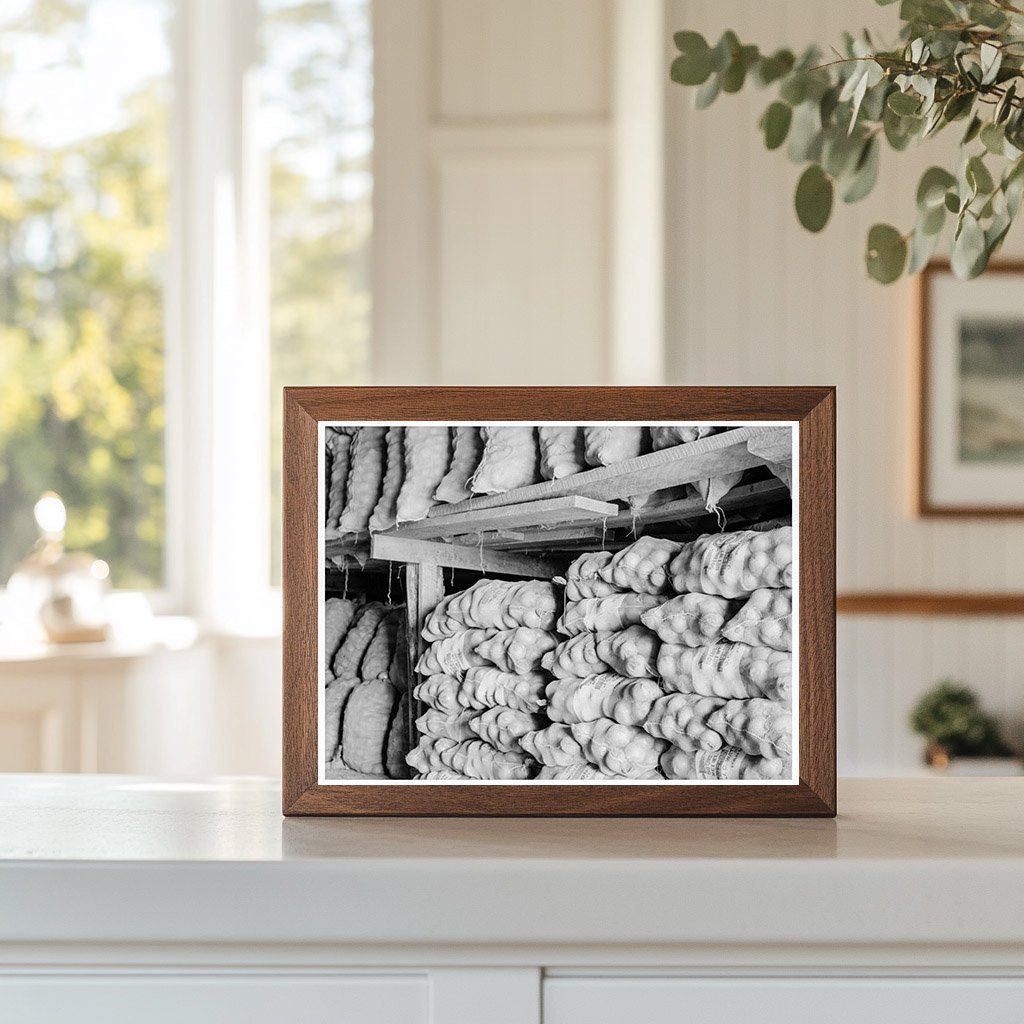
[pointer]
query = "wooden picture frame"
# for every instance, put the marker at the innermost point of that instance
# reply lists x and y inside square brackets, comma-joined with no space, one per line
[812,409]
[926,504]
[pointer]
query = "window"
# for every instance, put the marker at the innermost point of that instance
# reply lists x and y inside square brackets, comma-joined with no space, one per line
[83,236]
[317,116]
[237,212]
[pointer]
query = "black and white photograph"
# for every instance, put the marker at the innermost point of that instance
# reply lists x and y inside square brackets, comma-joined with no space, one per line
[558,602]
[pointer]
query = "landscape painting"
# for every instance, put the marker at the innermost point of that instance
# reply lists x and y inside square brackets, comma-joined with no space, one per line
[991,389]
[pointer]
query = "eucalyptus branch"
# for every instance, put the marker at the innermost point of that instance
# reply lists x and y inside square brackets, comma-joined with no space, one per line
[955,61]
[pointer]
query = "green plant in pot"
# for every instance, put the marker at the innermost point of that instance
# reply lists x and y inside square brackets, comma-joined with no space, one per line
[957,62]
[950,718]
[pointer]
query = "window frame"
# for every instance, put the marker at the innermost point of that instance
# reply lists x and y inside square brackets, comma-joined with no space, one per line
[215,316]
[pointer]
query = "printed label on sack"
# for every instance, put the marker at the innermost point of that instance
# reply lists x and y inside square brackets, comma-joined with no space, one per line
[578,772]
[723,564]
[725,763]
[452,657]
[717,664]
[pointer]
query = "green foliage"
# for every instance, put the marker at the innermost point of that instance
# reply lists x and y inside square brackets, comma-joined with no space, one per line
[949,716]
[82,234]
[956,60]
[82,247]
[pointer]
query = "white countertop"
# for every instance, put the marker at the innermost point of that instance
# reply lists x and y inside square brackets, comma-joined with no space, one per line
[121,859]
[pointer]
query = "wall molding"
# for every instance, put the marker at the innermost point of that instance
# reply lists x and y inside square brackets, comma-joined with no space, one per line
[935,603]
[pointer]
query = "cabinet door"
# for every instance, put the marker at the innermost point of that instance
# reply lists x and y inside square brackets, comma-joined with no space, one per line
[202,999]
[783,1000]
[41,719]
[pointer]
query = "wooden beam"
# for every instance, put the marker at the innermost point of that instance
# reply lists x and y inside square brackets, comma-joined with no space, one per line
[473,519]
[743,496]
[670,467]
[914,603]
[460,556]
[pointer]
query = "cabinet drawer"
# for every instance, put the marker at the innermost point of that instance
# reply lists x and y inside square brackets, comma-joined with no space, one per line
[202,999]
[571,1000]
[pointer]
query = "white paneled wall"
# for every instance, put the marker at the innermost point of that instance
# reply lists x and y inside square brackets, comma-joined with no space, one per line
[505,132]
[550,209]
[754,299]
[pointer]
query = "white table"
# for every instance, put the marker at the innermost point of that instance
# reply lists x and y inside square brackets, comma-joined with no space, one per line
[197,902]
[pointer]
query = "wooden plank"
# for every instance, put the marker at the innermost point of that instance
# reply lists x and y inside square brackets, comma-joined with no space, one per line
[351,537]
[549,537]
[473,519]
[929,603]
[550,540]
[460,556]
[507,540]
[708,457]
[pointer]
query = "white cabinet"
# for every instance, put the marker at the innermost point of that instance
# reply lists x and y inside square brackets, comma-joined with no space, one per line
[98,708]
[204,999]
[824,1000]
[145,899]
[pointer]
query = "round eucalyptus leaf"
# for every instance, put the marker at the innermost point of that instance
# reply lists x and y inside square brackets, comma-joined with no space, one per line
[707,93]
[775,123]
[973,130]
[887,253]
[933,187]
[987,15]
[922,248]
[735,74]
[993,138]
[1005,106]
[814,195]
[805,133]
[693,65]
[874,103]
[865,174]
[969,254]
[903,103]
[958,106]
[932,220]
[898,130]
[952,202]
[978,176]
[840,151]
[771,69]
[725,51]
[794,89]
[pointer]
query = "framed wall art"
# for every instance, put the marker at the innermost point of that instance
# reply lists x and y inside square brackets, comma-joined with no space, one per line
[970,417]
[559,601]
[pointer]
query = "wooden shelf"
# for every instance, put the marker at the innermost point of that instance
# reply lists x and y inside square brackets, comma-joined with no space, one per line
[713,456]
[532,532]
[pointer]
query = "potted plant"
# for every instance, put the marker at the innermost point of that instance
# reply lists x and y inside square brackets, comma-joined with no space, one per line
[951,719]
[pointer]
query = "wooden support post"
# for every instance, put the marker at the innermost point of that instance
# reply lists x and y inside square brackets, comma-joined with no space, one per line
[424,588]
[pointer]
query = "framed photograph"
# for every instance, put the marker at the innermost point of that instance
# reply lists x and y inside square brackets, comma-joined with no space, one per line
[559,601]
[970,444]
